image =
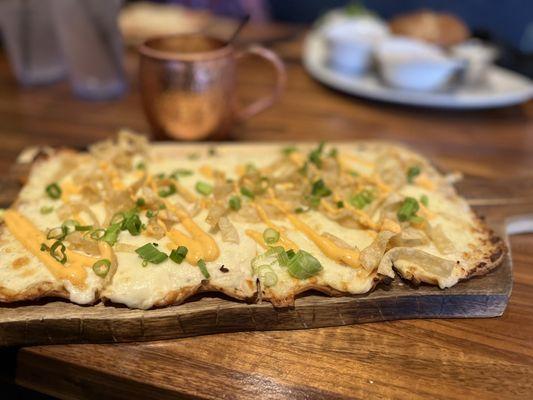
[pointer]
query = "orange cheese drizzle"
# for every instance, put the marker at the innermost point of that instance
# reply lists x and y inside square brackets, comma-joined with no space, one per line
[200,244]
[74,270]
[342,255]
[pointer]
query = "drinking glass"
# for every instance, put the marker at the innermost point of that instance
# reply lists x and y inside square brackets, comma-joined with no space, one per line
[31,41]
[92,46]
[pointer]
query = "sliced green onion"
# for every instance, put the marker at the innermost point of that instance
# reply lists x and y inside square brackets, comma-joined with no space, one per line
[162,206]
[353,173]
[412,173]
[247,192]
[58,233]
[315,155]
[320,189]
[270,236]
[140,165]
[303,265]
[212,151]
[179,254]
[83,228]
[204,188]
[180,172]
[299,210]
[161,175]
[203,269]
[408,209]
[314,201]
[111,234]
[303,169]
[288,150]
[285,256]
[97,234]
[70,225]
[150,253]
[44,247]
[133,225]
[54,191]
[340,204]
[151,213]
[417,219]
[193,156]
[266,275]
[101,267]
[167,191]
[117,218]
[60,256]
[235,203]
[362,199]
[424,200]
[46,209]
[140,202]
[333,153]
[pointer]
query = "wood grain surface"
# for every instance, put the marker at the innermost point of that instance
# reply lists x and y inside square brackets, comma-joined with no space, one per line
[414,359]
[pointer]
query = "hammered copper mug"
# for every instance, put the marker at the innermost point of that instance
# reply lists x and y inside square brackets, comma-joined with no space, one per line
[188,86]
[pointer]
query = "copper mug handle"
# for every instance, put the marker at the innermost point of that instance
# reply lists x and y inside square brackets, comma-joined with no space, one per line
[281,79]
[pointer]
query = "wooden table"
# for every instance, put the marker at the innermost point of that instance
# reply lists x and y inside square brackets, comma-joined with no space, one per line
[448,359]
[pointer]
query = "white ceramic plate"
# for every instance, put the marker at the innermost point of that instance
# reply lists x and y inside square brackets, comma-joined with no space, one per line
[503,87]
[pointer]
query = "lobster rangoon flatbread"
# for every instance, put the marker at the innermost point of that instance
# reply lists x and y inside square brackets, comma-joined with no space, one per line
[149,225]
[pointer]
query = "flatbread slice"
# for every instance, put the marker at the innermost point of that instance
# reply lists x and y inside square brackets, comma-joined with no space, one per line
[149,225]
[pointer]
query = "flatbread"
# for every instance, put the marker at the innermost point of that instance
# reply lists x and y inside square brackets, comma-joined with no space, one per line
[338,219]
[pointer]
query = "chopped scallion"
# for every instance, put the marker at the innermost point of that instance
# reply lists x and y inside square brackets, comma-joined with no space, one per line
[316,154]
[111,234]
[140,202]
[235,203]
[320,189]
[70,225]
[412,173]
[150,253]
[83,228]
[57,233]
[203,269]
[97,234]
[362,199]
[204,188]
[340,204]
[167,190]
[303,265]
[266,275]
[101,267]
[180,172]
[60,255]
[46,209]
[270,236]
[132,224]
[247,192]
[424,200]
[288,150]
[408,209]
[54,191]
[179,254]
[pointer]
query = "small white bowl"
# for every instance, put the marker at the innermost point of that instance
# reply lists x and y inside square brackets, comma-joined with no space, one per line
[351,43]
[411,64]
[478,57]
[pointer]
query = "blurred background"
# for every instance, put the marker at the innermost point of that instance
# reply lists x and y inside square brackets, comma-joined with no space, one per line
[435,53]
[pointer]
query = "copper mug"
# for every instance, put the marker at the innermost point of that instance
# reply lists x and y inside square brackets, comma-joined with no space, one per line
[188,85]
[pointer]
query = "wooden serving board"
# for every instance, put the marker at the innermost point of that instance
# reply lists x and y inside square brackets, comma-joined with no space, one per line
[54,321]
